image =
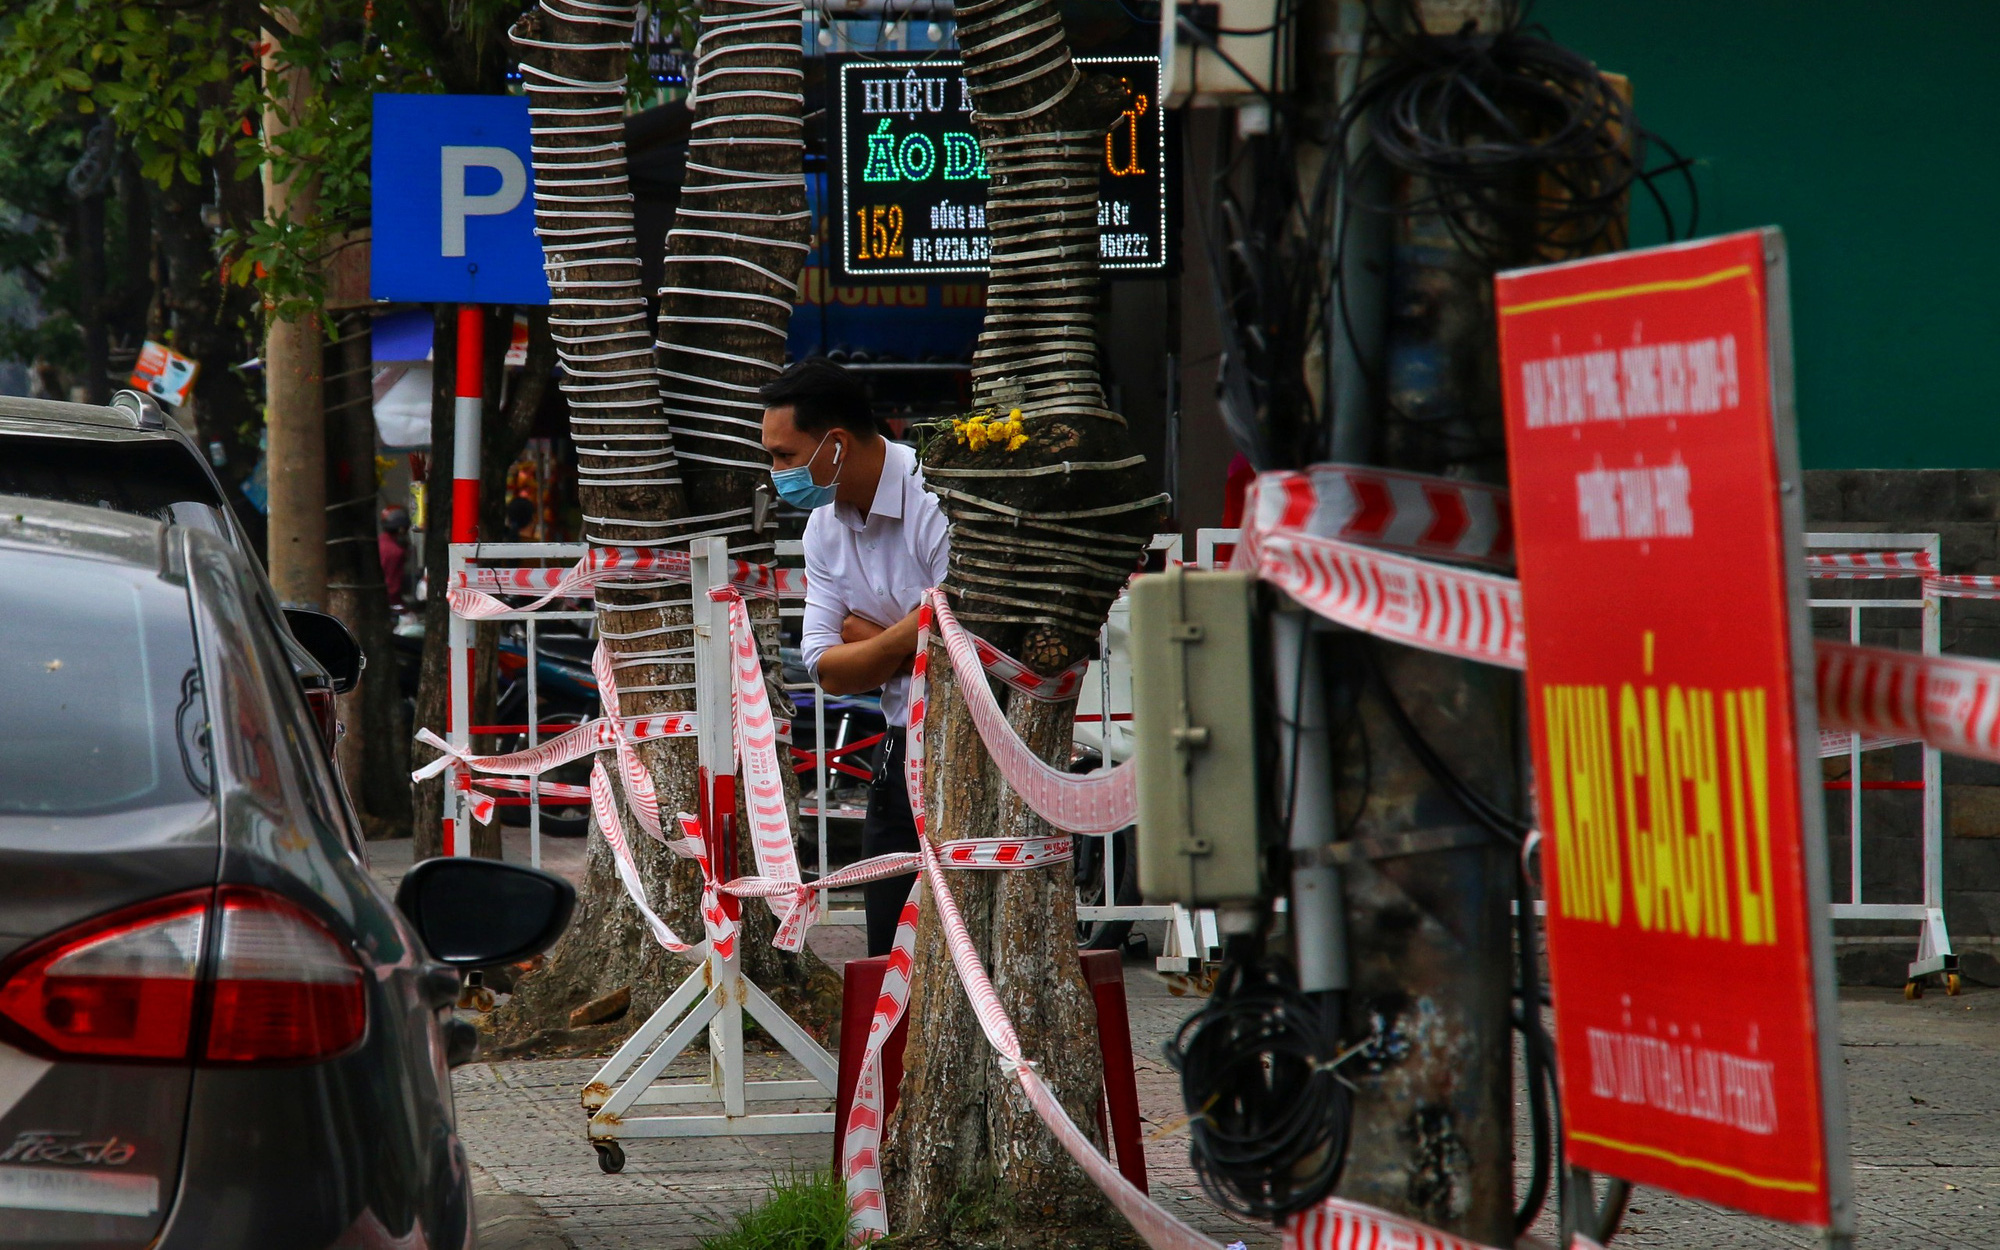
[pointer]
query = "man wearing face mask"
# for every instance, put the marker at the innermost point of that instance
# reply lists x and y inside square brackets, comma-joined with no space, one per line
[875,542]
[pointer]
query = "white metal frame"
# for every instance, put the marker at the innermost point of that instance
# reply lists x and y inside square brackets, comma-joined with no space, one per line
[1207,540]
[1934,952]
[715,995]
[458,643]
[1191,936]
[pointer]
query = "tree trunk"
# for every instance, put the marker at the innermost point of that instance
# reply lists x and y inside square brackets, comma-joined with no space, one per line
[632,485]
[374,753]
[1036,561]
[294,420]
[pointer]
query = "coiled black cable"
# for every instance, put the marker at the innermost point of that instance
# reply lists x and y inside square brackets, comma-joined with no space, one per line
[1521,146]
[1269,1116]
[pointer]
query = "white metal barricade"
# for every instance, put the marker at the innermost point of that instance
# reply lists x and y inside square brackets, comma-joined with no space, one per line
[1207,540]
[1104,723]
[1934,953]
[458,685]
[716,994]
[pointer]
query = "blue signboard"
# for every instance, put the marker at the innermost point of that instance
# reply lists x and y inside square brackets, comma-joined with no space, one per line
[454,201]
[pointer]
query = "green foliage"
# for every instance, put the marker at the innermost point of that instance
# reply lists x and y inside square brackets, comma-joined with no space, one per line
[34,205]
[804,1211]
[149,68]
[319,130]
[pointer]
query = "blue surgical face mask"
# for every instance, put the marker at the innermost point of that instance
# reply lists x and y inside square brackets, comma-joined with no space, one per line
[796,486]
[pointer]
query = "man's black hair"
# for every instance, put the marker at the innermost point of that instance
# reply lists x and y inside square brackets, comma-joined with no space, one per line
[821,395]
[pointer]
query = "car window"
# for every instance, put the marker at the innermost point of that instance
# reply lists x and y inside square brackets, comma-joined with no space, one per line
[146,477]
[104,709]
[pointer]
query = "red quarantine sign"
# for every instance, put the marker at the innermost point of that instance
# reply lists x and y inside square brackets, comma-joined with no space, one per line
[1655,485]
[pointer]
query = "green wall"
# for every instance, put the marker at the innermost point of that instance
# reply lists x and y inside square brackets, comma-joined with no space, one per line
[1871,134]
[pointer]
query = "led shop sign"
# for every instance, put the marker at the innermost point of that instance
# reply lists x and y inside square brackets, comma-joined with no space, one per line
[912,180]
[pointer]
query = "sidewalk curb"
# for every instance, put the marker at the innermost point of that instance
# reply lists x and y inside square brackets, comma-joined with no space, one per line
[505,1221]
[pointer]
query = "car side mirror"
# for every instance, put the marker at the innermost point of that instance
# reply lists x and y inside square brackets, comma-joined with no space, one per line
[328,641]
[481,913]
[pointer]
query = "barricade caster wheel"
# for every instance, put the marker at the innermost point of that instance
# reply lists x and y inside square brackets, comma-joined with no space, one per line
[610,1157]
[1952,984]
[1913,989]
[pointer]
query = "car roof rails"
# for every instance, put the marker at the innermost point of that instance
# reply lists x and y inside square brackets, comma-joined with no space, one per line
[143,407]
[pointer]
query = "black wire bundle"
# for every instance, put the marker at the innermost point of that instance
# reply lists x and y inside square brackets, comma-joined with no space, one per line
[1520,145]
[1269,1117]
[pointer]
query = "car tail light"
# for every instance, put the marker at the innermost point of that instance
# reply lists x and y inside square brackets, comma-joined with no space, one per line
[121,986]
[286,989]
[279,986]
[319,700]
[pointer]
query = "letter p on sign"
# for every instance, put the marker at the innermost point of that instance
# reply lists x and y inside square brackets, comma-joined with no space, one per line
[457,205]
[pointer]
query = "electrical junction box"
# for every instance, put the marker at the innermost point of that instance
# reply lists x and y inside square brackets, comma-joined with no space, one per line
[1191,72]
[1197,741]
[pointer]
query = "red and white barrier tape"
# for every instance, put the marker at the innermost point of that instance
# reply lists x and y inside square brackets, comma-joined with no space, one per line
[756,738]
[1095,803]
[1963,585]
[473,591]
[1003,667]
[861,1147]
[1897,565]
[483,805]
[632,772]
[1337,1224]
[1476,616]
[1414,513]
[573,744]
[604,812]
[1868,565]
[1949,702]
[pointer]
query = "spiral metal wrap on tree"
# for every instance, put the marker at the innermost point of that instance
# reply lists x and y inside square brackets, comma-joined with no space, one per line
[1030,553]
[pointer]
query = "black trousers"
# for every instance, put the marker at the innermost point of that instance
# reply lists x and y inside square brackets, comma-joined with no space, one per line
[887,829]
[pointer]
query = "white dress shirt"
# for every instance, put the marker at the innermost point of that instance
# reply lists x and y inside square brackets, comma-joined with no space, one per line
[876,567]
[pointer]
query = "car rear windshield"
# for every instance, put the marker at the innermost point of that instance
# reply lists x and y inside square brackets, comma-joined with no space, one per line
[144,477]
[102,697]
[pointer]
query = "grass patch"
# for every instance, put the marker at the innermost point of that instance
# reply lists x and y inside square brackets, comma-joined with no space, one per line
[803,1211]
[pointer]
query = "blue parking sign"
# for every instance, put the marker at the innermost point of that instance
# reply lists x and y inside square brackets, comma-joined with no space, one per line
[454,202]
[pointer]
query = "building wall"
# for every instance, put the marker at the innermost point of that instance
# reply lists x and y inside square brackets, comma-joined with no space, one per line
[1860,130]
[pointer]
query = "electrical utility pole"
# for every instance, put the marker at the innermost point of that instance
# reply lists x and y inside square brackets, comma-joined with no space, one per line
[1429,954]
[294,421]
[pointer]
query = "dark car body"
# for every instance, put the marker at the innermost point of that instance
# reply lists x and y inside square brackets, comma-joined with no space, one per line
[158,747]
[127,456]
